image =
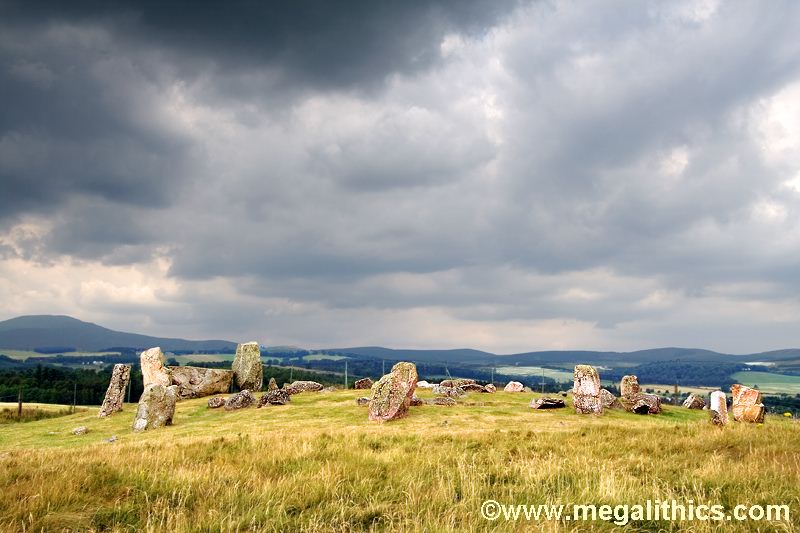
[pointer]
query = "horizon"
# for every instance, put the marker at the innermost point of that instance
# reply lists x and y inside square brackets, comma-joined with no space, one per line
[508,175]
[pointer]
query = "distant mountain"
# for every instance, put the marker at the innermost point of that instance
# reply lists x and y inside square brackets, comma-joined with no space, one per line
[58,331]
[458,355]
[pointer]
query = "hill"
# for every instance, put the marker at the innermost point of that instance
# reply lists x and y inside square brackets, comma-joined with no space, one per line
[70,334]
[318,465]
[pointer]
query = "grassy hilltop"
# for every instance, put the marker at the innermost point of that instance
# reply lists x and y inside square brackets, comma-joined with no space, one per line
[319,465]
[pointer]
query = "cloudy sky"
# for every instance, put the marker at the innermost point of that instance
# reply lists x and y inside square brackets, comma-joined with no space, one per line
[503,175]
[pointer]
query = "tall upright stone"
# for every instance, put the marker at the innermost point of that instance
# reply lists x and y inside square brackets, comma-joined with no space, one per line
[156,407]
[586,390]
[719,408]
[153,369]
[746,404]
[248,370]
[629,385]
[391,395]
[115,395]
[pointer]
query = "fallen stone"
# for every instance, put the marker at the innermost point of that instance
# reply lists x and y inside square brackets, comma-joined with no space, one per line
[115,394]
[216,402]
[391,395]
[746,404]
[362,401]
[248,370]
[608,400]
[514,386]
[490,388]
[472,387]
[586,390]
[197,382]
[424,385]
[80,430]
[153,369]
[274,397]
[442,400]
[363,383]
[450,392]
[156,407]
[416,401]
[719,408]
[694,401]
[641,403]
[629,385]
[458,382]
[240,400]
[272,385]
[306,386]
[548,403]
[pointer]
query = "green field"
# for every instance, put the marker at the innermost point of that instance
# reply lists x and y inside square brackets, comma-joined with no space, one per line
[318,464]
[24,354]
[323,357]
[203,358]
[769,382]
[512,370]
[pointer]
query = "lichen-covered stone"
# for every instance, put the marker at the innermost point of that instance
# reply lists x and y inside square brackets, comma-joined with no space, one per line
[248,370]
[442,400]
[153,369]
[156,407]
[198,382]
[450,392]
[362,401]
[305,386]
[609,400]
[274,397]
[472,387]
[694,401]
[548,403]
[586,390]
[514,386]
[457,382]
[272,385]
[490,388]
[115,394]
[718,408]
[746,404]
[629,385]
[216,402]
[364,383]
[391,395]
[641,403]
[416,401]
[240,400]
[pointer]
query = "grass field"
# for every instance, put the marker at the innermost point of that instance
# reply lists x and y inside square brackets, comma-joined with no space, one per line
[319,465]
[769,382]
[24,354]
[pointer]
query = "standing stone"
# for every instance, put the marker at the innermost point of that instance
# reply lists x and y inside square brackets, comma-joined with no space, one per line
[197,382]
[586,390]
[629,386]
[153,369]
[364,383]
[115,394]
[719,408]
[156,407]
[694,401]
[391,395]
[272,385]
[746,404]
[248,371]
[514,386]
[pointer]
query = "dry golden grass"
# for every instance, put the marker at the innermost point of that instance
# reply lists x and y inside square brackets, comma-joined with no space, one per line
[319,465]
